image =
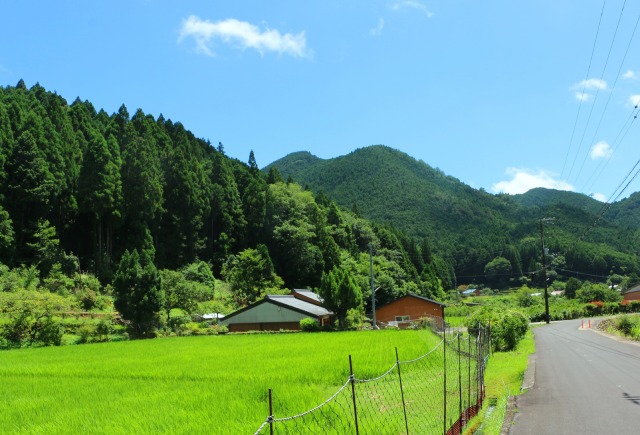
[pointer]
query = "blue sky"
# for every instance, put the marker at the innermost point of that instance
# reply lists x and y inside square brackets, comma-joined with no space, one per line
[487,91]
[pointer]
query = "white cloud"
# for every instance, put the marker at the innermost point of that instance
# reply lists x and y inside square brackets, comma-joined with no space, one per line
[523,179]
[412,4]
[630,75]
[583,96]
[599,197]
[634,100]
[601,150]
[242,33]
[378,29]
[590,84]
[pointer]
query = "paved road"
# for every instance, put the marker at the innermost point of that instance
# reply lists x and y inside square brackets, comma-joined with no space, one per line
[585,383]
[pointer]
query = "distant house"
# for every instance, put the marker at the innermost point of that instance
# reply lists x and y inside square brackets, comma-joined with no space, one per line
[471,292]
[409,308]
[276,312]
[633,294]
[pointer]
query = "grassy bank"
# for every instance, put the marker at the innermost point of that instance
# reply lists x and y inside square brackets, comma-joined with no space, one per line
[503,377]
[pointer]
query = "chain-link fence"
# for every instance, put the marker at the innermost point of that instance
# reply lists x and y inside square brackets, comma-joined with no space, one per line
[436,393]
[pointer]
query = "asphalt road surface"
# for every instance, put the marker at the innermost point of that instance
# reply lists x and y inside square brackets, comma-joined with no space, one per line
[585,383]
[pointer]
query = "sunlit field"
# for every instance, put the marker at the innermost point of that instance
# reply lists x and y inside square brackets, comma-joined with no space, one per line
[214,384]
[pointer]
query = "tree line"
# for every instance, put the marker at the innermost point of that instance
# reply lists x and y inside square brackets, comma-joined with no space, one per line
[131,198]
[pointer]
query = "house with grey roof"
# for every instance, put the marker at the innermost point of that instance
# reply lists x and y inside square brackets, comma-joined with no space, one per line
[276,312]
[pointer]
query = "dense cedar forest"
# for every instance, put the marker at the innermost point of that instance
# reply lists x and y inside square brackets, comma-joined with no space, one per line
[127,196]
[470,228]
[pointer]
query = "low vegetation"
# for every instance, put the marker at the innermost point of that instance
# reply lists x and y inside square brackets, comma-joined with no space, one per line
[189,385]
[503,378]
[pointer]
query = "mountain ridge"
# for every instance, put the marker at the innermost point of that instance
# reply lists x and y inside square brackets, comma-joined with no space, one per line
[387,185]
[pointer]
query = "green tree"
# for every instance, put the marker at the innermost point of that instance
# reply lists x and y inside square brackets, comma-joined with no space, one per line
[141,182]
[590,292]
[47,250]
[30,185]
[340,293]
[572,286]
[251,275]
[498,271]
[31,317]
[6,236]
[100,193]
[183,293]
[138,292]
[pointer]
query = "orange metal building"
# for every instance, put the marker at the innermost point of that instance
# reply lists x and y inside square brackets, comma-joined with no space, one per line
[410,308]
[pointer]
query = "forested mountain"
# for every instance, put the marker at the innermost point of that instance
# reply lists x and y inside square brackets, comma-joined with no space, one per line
[471,227]
[122,196]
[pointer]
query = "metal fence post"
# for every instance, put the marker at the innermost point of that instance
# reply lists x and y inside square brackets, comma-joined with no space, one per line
[270,413]
[445,382]
[469,378]
[353,394]
[459,380]
[404,407]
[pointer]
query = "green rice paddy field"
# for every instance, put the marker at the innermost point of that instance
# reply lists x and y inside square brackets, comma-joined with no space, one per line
[213,384]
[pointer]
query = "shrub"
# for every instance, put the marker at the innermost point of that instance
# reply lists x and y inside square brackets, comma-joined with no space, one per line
[103,329]
[85,332]
[594,308]
[508,330]
[611,307]
[625,324]
[309,325]
[507,326]
[49,332]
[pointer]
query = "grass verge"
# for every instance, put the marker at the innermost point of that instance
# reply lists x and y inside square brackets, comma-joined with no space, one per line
[503,378]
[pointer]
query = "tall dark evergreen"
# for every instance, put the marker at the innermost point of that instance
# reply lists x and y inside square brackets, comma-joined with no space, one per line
[141,183]
[138,291]
[30,186]
[100,193]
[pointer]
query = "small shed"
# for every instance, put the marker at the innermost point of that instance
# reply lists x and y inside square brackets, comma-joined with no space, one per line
[276,312]
[633,294]
[410,308]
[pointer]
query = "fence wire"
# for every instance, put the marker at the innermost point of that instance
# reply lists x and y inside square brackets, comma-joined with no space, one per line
[436,393]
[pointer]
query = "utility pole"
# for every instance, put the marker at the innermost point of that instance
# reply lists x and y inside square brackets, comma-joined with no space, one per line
[544,273]
[373,291]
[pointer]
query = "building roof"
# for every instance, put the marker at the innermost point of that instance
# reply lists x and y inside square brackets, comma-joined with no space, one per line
[417,297]
[211,316]
[308,294]
[633,290]
[289,302]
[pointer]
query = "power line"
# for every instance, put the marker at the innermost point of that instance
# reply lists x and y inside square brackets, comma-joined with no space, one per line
[584,86]
[610,94]
[595,98]
[622,134]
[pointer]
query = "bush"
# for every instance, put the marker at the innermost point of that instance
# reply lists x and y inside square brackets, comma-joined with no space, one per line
[85,332]
[625,324]
[103,329]
[594,308]
[49,332]
[508,330]
[507,327]
[309,325]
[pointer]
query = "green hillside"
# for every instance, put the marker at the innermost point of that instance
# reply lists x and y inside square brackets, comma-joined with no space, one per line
[470,227]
